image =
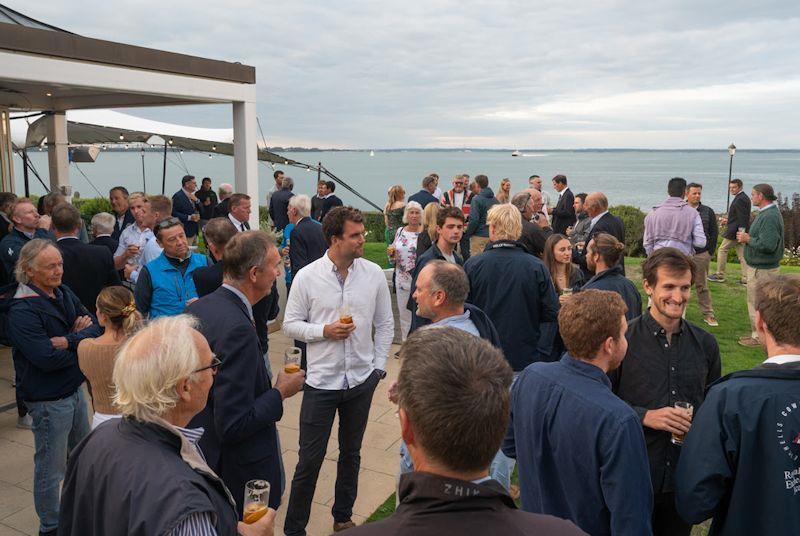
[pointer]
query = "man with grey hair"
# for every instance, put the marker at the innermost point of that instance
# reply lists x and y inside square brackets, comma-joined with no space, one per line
[535,229]
[45,323]
[102,228]
[279,204]
[224,193]
[240,440]
[426,195]
[306,241]
[162,375]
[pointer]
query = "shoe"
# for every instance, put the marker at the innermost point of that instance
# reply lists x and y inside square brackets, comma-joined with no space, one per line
[711,321]
[48,532]
[716,278]
[26,422]
[750,342]
[344,525]
[513,492]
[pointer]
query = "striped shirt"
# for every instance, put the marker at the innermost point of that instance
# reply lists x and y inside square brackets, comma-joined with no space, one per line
[198,523]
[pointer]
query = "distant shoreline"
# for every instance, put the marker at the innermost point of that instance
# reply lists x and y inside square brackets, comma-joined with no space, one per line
[477,150]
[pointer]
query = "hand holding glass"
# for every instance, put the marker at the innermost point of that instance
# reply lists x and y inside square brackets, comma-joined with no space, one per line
[256,500]
[291,360]
[677,439]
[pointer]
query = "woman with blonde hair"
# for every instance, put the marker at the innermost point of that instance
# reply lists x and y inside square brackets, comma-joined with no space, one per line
[403,251]
[116,312]
[393,211]
[504,191]
[428,235]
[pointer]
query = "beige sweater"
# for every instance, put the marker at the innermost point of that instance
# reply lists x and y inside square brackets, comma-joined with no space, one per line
[97,364]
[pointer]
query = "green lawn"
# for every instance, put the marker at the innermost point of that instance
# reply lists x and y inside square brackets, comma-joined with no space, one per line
[730,306]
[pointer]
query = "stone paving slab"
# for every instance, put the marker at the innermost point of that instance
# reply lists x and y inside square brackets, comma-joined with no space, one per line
[376,480]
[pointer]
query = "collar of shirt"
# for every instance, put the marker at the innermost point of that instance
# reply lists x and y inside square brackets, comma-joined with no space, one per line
[188,194]
[26,233]
[482,480]
[766,207]
[242,297]
[597,218]
[783,359]
[335,269]
[586,369]
[235,222]
[192,435]
[455,319]
[66,238]
[101,235]
[655,327]
[562,192]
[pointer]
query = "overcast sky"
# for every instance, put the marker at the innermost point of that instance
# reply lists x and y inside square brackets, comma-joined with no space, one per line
[519,74]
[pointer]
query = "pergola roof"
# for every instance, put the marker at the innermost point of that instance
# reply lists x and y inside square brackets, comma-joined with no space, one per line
[15,17]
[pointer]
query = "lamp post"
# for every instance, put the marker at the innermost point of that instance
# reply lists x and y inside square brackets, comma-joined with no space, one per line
[731,152]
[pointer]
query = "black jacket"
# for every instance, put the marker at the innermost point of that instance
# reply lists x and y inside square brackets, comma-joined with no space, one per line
[607,224]
[710,227]
[44,372]
[738,215]
[182,208]
[240,440]
[614,280]
[88,269]
[10,246]
[128,478]
[127,220]
[431,254]
[306,244]
[206,211]
[739,462]
[534,237]
[209,278]
[222,209]
[564,213]
[515,290]
[279,207]
[107,242]
[433,505]
[328,203]
[424,198]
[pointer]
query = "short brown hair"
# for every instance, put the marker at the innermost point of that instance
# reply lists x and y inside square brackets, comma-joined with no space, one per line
[333,222]
[737,182]
[219,231]
[608,247]
[670,258]
[482,180]
[449,212]
[236,199]
[66,218]
[778,301]
[161,204]
[454,387]
[244,251]
[560,179]
[588,318]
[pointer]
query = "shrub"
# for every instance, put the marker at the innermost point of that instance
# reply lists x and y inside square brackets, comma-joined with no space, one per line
[375,226]
[90,206]
[633,219]
[791,221]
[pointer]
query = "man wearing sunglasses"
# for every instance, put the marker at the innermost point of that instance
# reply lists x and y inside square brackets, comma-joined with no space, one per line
[165,285]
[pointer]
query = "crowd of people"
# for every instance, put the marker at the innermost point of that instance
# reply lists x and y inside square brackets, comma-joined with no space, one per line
[523,345]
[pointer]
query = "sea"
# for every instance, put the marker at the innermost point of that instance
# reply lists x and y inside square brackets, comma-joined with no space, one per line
[629,177]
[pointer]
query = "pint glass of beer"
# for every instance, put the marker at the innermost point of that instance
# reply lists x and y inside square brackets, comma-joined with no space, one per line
[291,360]
[566,291]
[677,439]
[256,500]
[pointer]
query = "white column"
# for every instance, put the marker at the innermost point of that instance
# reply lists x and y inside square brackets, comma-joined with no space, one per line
[245,154]
[6,153]
[57,153]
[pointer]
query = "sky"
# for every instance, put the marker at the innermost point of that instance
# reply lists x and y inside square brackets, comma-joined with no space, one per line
[515,74]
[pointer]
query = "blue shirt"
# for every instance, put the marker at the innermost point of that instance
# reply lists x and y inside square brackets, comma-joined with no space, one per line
[461,322]
[580,449]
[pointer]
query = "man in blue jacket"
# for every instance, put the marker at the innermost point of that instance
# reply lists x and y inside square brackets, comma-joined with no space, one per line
[740,461]
[186,207]
[46,321]
[28,224]
[477,230]
[580,449]
[603,253]
[512,287]
[425,196]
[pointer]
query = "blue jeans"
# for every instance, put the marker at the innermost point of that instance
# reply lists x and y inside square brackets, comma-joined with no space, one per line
[58,426]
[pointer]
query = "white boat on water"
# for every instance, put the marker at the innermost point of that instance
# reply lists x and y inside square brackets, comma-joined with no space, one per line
[516,153]
[372,153]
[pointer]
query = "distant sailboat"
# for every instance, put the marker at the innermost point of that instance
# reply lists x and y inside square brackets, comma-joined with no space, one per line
[372,153]
[516,153]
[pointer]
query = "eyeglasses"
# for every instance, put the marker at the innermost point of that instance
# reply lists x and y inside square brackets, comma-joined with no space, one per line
[214,366]
[167,223]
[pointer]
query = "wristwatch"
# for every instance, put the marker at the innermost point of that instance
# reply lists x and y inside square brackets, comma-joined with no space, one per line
[381,373]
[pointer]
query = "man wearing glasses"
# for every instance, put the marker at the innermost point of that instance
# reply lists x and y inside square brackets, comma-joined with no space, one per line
[165,285]
[460,198]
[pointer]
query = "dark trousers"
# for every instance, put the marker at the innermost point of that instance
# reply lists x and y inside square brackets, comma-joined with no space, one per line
[666,521]
[317,411]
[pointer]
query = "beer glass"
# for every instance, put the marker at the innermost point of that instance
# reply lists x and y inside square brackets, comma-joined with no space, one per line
[256,500]
[566,291]
[677,439]
[291,360]
[345,317]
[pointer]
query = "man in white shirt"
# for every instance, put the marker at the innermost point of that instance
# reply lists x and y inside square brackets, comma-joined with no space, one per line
[239,214]
[135,237]
[334,304]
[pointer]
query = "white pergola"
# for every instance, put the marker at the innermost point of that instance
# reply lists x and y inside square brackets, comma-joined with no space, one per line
[46,69]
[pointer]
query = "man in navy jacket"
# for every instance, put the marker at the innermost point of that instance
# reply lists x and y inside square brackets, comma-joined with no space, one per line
[425,196]
[306,241]
[186,208]
[45,323]
[240,440]
[740,459]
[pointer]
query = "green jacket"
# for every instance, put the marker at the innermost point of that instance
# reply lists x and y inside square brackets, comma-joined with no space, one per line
[479,207]
[765,249]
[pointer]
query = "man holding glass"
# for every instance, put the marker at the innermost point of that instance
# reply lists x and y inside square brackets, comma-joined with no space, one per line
[670,362]
[240,440]
[335,303]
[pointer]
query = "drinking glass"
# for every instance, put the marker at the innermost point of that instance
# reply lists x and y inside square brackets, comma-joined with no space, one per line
[741,229]
[677,439]
[345,317]
[256,500]
[566,291]
[291,360]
